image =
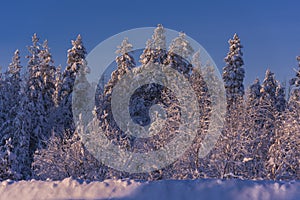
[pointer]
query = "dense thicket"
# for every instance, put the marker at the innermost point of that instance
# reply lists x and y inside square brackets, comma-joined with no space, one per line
[38,139]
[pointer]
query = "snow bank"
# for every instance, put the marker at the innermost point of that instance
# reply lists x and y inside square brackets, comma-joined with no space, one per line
[167,189]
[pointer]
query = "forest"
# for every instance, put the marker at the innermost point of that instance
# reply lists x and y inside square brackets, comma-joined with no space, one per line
[260,139]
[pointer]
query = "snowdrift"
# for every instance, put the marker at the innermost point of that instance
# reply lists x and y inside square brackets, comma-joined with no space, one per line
[167,189]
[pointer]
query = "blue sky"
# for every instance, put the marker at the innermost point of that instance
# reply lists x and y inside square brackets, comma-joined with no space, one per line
[269,30]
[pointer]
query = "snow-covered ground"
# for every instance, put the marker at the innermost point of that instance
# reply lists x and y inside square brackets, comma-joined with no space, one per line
[167,189]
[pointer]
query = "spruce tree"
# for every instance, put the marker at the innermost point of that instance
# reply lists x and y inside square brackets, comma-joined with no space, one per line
[284,157]
[155,50]
[125,63]
[234,73]
[280,98]
[8,161]
[189,166]
[267,115]
[11,142]
[11,94]
[16,129]
[39,89]
[180,51]
[230,142]
[76,60]
[252,131]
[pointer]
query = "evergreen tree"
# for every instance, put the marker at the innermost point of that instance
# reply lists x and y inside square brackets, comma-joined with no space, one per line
[185,167]
[11,94]
[280,98]
[179,51]
[12,101]
[76,60]
[284,157]
[233,77]
[21,136]
[230,143]
[199,85]
[254,94]
[234,73]
[295,89]
[189,166]
[125,63]
[252,131]
[48,72]
[15,130]
[40,88]
[34,93]
[209,166]
[155,50]
[268,117]
[8,161]
[57,86]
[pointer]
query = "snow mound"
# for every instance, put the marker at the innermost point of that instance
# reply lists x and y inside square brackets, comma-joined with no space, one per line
[167,189]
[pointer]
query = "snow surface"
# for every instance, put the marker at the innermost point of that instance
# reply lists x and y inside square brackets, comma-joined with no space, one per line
[167,189]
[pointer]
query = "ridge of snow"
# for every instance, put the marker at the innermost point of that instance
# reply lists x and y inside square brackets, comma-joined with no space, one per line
[166,189]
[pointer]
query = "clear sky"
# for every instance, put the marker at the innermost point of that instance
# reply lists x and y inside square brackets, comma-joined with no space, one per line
[269,30]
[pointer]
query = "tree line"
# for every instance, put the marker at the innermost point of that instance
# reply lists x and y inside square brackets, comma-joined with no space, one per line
[38,139]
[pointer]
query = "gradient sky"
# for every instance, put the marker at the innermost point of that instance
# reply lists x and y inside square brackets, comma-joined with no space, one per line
[269,30]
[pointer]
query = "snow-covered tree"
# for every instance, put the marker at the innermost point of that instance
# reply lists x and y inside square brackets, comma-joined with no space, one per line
[76,60]
[21,136]
[64,158]
[84,94]
[250,137]
[201,89]
[267,116]
[233,77]
[181,46]
[179,53]
[8,162]
[269,86]
[11,94]
[234,73]
[229,153]
[284,157]
[210,166]
[34,92]
[268,99]
[39,89]
[11,98]
[125,63]
[280,98]
[65,154]
[199,85]
[254,94]
[16,127]
[57,86]
[155,50]
[260,139]
[295,89]
[48,72]
[149,95]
